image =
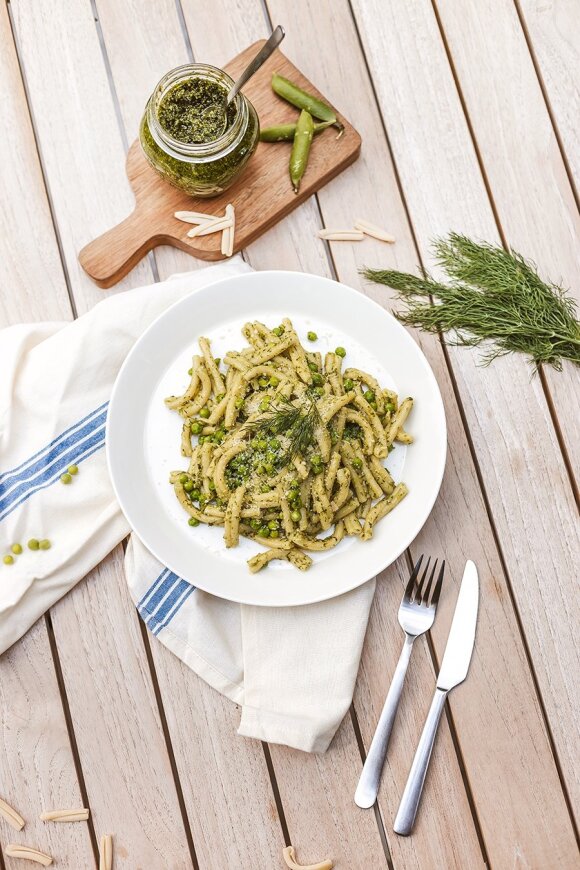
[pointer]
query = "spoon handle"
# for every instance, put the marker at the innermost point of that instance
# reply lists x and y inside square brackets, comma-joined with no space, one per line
[273,42]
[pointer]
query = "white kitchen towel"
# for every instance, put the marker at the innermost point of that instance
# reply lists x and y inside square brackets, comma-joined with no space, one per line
[292,670]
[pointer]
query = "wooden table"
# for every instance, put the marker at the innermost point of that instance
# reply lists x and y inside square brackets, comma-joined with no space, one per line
[469,119]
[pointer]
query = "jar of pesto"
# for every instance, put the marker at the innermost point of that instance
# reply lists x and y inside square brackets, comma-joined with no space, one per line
[189,139]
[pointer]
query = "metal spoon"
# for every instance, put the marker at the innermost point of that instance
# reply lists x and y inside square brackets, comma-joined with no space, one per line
[273,42]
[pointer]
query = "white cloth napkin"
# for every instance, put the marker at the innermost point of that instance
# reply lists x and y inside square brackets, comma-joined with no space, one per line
[292,670]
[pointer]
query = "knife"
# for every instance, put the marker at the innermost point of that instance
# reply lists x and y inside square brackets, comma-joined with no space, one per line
[453,671]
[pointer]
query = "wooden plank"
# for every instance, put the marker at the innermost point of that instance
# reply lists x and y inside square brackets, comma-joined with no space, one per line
[118,732]
[552,31]
[37,769]
[83,156]
[531,189]
[487,698]
[337,827]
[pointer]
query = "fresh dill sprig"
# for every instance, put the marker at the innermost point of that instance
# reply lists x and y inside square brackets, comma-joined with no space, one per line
[296,423]
[494,296]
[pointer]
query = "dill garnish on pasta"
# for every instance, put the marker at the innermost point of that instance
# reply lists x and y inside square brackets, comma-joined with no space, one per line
[286,448]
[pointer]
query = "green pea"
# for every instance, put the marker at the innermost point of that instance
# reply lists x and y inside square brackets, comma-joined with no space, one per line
[269,468]
[316,459]
[348,385]
[219,397]
[389,407]
[340,351]
[265,488]
[274,533]
[311,336]
[255,523]
[264,532]
[45,544]
[204,413]
[183,478]
[318,391]
[274,381]
[374,405]
[8,560]
[188,486]
[203,439]
[193,521]
[273,524]
[317,379]
[65,478]
[357,463]
[195,428]
[265,403]
[190,371]
[211,485]
[369,395]
[313,367]
[16,548]
[278,330]
[263,382]
[73,469]
[274,444]
[295,483]
[296,515]
[195,495]
[33,544]
[219,437]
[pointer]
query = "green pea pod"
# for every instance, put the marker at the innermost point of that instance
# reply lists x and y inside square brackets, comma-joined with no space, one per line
[301,148]
[303,100]
[285,132]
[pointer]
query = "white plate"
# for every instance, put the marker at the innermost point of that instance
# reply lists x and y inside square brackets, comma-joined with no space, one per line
[143,436]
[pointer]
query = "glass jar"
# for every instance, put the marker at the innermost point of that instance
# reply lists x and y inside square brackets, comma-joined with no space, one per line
[201,168]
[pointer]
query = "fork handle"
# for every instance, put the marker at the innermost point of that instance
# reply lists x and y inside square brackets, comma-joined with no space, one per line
[412,794]
[368,785]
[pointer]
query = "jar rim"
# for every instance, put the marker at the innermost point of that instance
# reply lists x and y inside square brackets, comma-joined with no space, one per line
[208,150]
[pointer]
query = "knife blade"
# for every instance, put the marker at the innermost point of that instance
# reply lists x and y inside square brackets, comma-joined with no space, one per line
[453,671]
[457,655]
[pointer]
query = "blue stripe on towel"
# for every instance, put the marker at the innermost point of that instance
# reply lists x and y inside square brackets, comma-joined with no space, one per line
[73,450]
[163,600]
[29,466]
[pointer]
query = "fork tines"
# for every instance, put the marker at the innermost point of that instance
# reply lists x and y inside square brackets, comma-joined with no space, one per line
[419,591]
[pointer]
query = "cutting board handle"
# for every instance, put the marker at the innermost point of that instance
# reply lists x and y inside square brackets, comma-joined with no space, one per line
[111,256]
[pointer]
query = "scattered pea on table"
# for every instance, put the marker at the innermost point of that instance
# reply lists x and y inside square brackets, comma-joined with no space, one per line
[311,336]
[16,549]
[8,560]
[33,544]
[45,544]
[66,478]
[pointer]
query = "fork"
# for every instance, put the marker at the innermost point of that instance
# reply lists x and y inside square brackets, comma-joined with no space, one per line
[416,616]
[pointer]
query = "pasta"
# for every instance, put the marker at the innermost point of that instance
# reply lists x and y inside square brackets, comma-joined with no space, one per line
[286,448]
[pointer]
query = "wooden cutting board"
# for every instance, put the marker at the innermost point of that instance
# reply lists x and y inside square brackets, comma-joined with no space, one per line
[261,196]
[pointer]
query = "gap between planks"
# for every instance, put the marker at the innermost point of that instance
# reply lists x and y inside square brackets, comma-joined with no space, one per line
[168,743]
[71,732]
[550,111]
[545,387]
[42,164]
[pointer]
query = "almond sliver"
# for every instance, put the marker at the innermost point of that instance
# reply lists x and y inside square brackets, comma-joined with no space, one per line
[209,227]
[193,217]
[65,815]
[14,850]
[13,818]
[374,231]
[341,235]
[290,861]
[106,856]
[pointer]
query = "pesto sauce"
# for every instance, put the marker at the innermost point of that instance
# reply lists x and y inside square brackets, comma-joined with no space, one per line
[212,174]
[193,111]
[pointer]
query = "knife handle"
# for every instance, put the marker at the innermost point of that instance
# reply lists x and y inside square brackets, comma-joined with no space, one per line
[412,794]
